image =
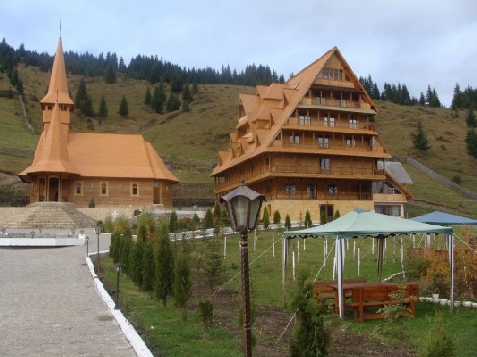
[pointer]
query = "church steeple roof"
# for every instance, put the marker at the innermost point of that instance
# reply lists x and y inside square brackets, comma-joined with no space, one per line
[52,155]
[58,88]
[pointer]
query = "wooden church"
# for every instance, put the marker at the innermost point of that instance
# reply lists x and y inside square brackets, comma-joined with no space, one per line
[111,169]
[310,145]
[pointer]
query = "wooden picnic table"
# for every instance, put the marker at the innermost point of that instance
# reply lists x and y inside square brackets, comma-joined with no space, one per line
[363,297]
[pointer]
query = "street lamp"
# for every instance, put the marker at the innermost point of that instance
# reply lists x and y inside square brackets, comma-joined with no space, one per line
[98,231]
[118,272]
[243,206]
[87,241]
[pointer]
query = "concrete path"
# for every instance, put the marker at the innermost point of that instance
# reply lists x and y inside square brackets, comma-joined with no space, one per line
[49,305]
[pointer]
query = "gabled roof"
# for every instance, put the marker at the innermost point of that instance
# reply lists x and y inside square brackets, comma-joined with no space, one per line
[276,103]
[58,88]
[116,155]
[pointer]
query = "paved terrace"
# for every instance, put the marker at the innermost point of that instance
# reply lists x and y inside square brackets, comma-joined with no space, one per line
[50,305]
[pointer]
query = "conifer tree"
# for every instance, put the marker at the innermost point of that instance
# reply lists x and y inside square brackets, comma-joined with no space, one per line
[471,144]
[276,217]
[125,245]
[182,282]
[110,74]
[123,107]
[213,263]
[164,266]
[173,222]
[147,96]
[287,222]
[173,102]
[309,339]
[148,272]
[266,218]
[308,222]
[419,139]
[209,219]
[471,120]
[103,108]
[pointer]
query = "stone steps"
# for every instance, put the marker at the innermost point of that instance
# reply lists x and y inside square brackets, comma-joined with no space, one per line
[46,215]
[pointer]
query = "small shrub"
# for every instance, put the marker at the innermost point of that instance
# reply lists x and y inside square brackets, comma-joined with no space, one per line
[206,315]
[276,217]
[91,203]
[397,312]
[457,179]
[439,343]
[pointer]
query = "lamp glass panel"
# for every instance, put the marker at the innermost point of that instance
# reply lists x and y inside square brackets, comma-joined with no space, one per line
[240,204]
[255,206]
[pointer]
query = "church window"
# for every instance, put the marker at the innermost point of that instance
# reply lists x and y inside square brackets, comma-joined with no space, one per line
[134,189]
[79,188]
[104,189]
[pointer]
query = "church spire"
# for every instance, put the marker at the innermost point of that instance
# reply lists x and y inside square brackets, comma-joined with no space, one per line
[58,88]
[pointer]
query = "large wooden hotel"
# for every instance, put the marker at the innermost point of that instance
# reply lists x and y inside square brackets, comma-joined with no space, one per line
[310,145]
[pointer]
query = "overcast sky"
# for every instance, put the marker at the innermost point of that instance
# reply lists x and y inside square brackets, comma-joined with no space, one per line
[413,42]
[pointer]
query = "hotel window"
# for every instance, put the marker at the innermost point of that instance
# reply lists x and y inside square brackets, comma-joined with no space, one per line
[324,143]
[290,189]
[79,188]
[134,189]
[311,191]
[332,189]
[324,164]
[353,123]
[329,121]
[350,142]
[104,189]
[304,120]
[295,139]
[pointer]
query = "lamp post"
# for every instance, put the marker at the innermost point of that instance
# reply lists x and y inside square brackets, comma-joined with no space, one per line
[118,272]
[87,248]
[243,206]
[97,230]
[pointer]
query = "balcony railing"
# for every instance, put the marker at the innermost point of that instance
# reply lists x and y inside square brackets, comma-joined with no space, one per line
[338,103]
[315,121]
[337,172]
[357,146]
[322,196]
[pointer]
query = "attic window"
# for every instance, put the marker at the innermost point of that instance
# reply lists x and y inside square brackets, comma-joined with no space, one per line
[335,74]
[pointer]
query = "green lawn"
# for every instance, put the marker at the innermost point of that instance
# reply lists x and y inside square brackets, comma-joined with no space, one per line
[266,286]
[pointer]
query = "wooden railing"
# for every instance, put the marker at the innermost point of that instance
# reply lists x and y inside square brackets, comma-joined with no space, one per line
[357,146]
[316,121]
[338,172]
[337,103]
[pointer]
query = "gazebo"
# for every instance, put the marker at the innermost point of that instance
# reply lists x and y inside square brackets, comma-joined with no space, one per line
[360,223]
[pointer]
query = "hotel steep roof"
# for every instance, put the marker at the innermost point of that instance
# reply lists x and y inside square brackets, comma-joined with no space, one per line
[275,104]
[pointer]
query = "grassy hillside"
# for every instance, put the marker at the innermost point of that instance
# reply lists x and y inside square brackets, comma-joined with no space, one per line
[190,140]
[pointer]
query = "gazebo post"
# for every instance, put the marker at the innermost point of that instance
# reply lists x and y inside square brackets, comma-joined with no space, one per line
[339,273]
[380,239]
[451,262]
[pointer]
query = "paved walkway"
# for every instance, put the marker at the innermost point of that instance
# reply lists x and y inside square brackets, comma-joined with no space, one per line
[49,305]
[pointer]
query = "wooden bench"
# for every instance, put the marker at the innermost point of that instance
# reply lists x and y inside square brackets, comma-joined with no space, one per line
[371,299]
[326,294]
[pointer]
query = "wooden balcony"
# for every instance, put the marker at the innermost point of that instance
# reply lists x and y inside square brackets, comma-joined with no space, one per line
[357,146]
[337,172]
[337,104]
[319,123]
[321,196]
